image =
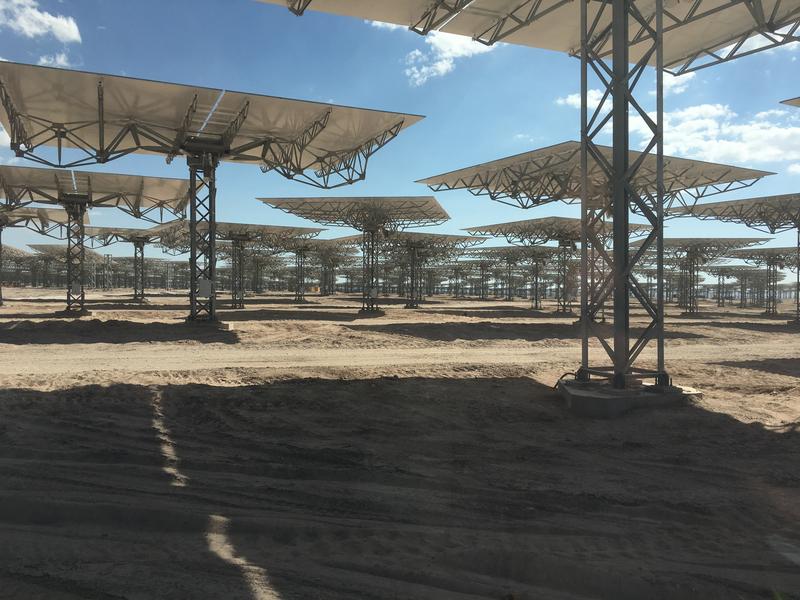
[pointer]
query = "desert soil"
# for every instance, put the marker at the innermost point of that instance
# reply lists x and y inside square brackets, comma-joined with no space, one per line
[311,453]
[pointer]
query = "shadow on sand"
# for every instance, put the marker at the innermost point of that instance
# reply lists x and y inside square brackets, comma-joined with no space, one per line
[780,366]
[486,330]
[95,331]
[387,488]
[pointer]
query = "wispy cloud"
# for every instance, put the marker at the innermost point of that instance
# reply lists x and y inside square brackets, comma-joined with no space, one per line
[794,169]
[26,18]
[714,132]
[677,85]
[593,98]
[382,25]
[59,59]
[440,59]
[440,55]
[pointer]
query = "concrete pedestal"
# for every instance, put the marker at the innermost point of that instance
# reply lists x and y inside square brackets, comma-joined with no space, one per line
[599,400]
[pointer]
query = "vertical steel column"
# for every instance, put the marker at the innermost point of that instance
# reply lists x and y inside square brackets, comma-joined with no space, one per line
[620,194]
[1,265]
[509,281]
[202,236]
[536,303]
[369,267]
[797,278]
[771,307]
[300,275]
[413,284]
[237,273]
[76,254]
[107,271]
[625,190]
[138,271]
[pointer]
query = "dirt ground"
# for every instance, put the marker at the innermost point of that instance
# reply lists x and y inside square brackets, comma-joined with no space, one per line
[309,453]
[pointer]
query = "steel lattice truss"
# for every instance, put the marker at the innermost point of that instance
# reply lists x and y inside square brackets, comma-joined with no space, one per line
[67,118]
[46,221]
[104,236]
[102,117]
[690,254]
[417,250]
[375,217]
[784,258]
[58,253]
[697,34]
[771,214]
[77,192]
[137,196]
[554,174]
[535,232]
[391,213]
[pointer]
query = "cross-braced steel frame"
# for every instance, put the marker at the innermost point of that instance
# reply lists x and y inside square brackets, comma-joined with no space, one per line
[107,272]
[329,168]
[620,83]
[138,271]
[202,236]
[237,272]
[300,275]
[1,264]
[369,271]
[76,297]
[536,268]
[414,292]
[565,250]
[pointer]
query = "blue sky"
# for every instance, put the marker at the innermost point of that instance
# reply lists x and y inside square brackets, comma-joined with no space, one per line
[479,104]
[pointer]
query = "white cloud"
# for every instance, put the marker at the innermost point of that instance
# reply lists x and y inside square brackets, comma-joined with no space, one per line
[715,133]
[676,84]
[59,59]
[382,25]
[593,98]
[440,59]
[26,18]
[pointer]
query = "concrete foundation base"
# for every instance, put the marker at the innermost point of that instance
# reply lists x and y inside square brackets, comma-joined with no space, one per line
[598,400]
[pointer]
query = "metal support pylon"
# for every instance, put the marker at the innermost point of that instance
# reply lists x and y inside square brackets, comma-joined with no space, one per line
[106,271]
[771,300]
[562,287]
[299,275]
[536,302]
[797,278]
[237,273]
[369,270]
[620,83]
[202,236]
[138,271]
[1,265]
[414,283]
[509,281]
[76,254]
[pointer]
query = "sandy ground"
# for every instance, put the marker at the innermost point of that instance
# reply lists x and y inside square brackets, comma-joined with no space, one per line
[310,453]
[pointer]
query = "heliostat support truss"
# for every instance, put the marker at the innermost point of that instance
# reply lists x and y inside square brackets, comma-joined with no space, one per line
[623,94]
[138,271]
[237,272]
[770,214]
[376,217]
[202,236]
[76,295]
[66,119]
